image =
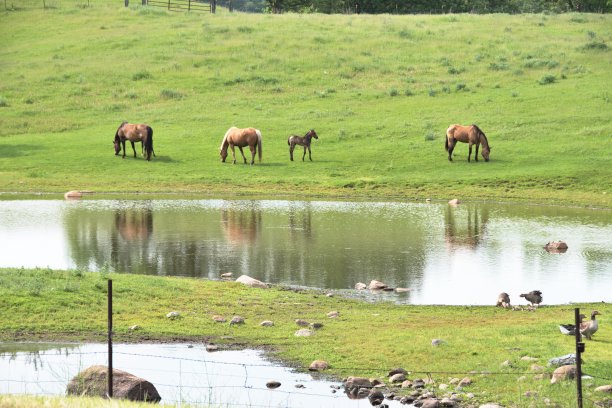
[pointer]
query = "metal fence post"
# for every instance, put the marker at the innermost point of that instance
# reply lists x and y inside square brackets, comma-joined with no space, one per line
[579,350]
[110,338]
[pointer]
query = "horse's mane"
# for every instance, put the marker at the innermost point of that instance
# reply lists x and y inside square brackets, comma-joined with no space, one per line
[481,133]
[224,142]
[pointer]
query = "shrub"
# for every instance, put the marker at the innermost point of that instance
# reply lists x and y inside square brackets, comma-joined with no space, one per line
[171,94]
[547,79]
[141,75]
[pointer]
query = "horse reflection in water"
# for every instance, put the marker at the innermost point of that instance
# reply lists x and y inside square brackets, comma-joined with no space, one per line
[464,226]
[241,227]
[134,225]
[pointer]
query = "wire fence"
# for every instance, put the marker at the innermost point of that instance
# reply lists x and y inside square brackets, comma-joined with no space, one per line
[190,375]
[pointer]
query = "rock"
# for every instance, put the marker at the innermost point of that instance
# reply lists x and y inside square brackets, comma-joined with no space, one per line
[566,372]
[300,386]
[302,322]
[318,365]
[491,405]
[398,370]
[303,333]
[329,295]
[402,290]
[407,384]
[527,358]
[436,342]
[556,247]
[397,378]
[134,327]
[443,387]
[173,315]
[376,285]
[506,363]
[227,275]
[567,359]
[333,315]
[430,403]
[376,397]
[316,325]
[273,384]
[237,320]
[537,368]
[219,319]
[357,382]
[73,195]
[448,402]
[212,347]
[252,282]
[465,382]
[93,382]
[604,388]
[454,201]
[267,323]
[360,286]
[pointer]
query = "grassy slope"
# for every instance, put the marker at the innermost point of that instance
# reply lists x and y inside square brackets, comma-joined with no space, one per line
[379,90]
[367,339]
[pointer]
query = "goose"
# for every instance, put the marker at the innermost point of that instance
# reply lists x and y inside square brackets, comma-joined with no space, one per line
[535,297]
[588,329]
[570,329]
[503,300]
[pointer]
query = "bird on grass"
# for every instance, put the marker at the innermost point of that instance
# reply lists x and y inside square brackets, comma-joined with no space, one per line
[588,329]
[535,297]
[503,300]
[570,328]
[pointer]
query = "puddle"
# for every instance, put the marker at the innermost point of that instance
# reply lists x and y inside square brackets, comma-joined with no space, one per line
[182,374]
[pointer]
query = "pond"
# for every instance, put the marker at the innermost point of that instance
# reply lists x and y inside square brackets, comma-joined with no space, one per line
[463,255]
[181,373]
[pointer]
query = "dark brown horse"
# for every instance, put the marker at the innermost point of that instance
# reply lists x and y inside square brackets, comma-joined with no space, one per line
[241,137]
[467,134]
[302,141]
[134,133]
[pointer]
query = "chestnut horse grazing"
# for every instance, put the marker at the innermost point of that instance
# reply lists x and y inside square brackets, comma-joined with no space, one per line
[241,137]
[134,133]
[302,141]
[467,134]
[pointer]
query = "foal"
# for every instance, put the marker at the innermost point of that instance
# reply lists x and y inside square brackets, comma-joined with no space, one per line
[302,141]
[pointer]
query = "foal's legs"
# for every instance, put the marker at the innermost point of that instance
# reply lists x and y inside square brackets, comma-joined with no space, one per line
[291,147]
[304,155]
[309,153]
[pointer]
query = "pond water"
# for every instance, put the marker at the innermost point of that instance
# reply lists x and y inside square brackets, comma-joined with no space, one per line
[181,373]
[463,255]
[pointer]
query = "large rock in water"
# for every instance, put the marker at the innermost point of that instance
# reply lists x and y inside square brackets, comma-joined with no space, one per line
[93,382]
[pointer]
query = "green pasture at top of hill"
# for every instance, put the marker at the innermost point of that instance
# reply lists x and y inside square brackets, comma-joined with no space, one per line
[380,91]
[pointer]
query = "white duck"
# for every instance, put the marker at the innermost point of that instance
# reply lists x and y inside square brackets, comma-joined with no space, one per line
[588,329]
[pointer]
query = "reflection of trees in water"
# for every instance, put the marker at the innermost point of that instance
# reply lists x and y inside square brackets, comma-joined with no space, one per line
[464,226]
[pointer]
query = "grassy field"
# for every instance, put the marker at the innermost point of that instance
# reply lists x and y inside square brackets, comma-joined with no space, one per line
[379,90]
[366,339]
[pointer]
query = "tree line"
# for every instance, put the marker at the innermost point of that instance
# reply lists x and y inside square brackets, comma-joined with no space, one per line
[417,6]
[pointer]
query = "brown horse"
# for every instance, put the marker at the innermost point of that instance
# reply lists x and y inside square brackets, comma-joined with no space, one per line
[467,134]
[241,137]
[302,141]
[134,133]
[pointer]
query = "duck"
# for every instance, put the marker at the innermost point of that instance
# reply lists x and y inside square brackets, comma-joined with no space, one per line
[535,297]
[588,329]
[570,329]
[503,300]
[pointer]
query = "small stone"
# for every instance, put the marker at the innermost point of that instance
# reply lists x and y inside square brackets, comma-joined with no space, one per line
[303,333]
[506,363]
[436,342]
[318,365]
[329,295]
[173,315]
[376,285]
[430,403]
[301,322]
[527,358]
[360,286]
[316,325]
[566,372]
[567,359]
[454,381]
[402,290]
[219,319]
[407,384]
[267,323]
[454,201]
[376,397]
[443,386]
[237,320]
[397,378]
[300,386]
[212,347]
[227,275]
[604,388]
[537,368]
[333,314]
[134,327]
[273,384]
[448,402]
[465,382]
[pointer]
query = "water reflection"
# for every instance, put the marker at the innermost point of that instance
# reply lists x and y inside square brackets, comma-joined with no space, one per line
[433,249]
[464,227]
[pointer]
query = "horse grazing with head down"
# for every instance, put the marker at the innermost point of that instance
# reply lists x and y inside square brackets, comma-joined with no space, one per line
[302,141]
[134,133]
[241,137]
[467,134]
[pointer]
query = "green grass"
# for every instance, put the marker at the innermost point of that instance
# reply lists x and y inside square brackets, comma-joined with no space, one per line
[379,90]
[367,339]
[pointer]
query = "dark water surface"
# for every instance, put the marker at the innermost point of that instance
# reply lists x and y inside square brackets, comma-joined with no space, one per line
[443,254]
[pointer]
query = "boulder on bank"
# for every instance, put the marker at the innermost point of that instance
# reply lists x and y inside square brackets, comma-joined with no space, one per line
[93,382]
[252,282]
[566,372]
[556,246]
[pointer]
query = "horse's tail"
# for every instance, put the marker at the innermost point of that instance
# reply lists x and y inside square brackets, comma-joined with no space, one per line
[259,140]
[149,142]
[449,134]
[446,142]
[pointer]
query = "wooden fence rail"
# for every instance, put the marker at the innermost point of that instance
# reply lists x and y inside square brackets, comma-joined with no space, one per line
[181,5]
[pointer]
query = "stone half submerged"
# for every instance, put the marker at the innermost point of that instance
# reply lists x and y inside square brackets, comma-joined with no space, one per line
[93,381]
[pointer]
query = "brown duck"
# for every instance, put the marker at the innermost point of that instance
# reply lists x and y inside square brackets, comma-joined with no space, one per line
[588,328]
[535,297]
[503,300]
